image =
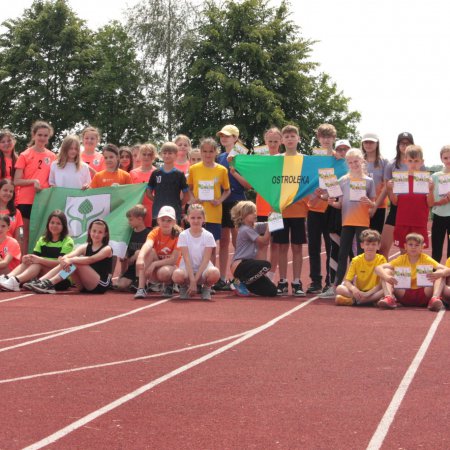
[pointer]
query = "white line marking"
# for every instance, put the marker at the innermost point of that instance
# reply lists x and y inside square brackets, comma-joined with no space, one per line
[383,427]
[125,361]
[43,333]
[146,387]
[16,298]
[83,327]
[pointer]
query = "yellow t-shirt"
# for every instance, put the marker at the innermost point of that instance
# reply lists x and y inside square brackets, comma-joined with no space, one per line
[219,176]
[364,271]
[403,261]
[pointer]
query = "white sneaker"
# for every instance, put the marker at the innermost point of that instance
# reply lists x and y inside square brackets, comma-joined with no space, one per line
[329,293]
[9,284]
[206,293]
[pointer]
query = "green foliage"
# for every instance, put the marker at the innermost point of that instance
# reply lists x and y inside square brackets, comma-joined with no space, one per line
[250,67]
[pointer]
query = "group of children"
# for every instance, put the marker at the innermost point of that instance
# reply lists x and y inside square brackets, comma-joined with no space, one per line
[200,190]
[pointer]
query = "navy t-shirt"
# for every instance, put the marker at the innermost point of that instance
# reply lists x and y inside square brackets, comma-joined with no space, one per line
[167,188]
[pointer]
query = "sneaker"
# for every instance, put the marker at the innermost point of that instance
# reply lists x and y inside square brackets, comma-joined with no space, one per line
[140,293]
[240,289]
[206,293]
[282,288]
[222,286]
[44,287]
[175,288]
[184,292]
[3,278]
[9,284]
[297,290]
[435,304]
[341,300]
[314,288]
[326,287]
[329,293]
[154,287]
[167,291]
[387,302]
[29,285]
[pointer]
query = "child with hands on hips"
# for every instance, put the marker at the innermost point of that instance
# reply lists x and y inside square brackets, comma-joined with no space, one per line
[251,239]
[89,265]
[159,255]
[55,242]
[196,245]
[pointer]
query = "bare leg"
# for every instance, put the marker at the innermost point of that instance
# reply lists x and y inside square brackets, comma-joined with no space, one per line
[297,260]
[225,240]
[387,239]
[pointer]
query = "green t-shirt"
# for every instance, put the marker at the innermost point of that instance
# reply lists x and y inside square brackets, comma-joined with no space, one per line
[52,250]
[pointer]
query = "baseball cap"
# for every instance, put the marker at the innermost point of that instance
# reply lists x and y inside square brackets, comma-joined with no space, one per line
[167,211]
[229,130]
[405,135]
[342,142]
[370,137]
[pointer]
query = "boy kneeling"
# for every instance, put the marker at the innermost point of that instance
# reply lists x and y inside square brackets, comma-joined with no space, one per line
[409,278]
[361,285]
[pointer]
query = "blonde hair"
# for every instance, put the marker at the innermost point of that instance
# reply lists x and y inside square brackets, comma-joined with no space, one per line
[137,211]
[290,129]
[370,236]
[147,147]
[183,137]
[356,153]
[445,149]
[63,155]
[196,207]
[416,237]
[169,147]
[275,130]
[37,126]
[209,142]
[90,129]
[241,210]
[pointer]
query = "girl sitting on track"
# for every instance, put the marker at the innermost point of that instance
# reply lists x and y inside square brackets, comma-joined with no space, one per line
[8,207]
[196,245]
[159,255]
[55,242]
[249,271]
[10,253]
[89,265]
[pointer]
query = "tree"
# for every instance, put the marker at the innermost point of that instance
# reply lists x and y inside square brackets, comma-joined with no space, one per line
[163,32]
[44,57]
[250,67]
[113,94]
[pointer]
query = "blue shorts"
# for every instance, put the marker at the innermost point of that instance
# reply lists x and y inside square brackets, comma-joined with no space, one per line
[214,228]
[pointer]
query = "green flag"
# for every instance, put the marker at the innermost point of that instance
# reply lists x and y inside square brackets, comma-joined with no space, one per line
[82,207]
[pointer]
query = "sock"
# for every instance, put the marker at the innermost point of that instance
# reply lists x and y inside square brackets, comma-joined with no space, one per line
[296,281]
[270,275]
[283,280]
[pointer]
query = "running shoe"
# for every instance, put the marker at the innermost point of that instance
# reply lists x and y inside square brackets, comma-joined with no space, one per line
[10,284]
[329,293]
[240,289]
[435,304]
[222,286]
[387,302]
[282,288]
[314,288]
[297,290]
[140,293]
[206,293]
[44,287]
[167,290]
[341,300]
[184,292]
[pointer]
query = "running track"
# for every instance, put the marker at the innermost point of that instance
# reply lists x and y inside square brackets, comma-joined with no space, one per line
[110,372]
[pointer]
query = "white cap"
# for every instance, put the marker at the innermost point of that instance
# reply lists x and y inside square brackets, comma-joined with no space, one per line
[370,137]
[167,211]
[342,142]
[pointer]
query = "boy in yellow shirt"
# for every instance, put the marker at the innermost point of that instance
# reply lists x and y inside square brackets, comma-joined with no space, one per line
[361,285]
[410,265]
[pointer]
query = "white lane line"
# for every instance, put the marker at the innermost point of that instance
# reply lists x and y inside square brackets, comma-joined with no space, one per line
[16,298]
[383,427]
[83,327]
[125,361]
[146,387]
[43,333]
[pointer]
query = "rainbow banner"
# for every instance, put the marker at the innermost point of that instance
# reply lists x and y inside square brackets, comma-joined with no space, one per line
[282,180]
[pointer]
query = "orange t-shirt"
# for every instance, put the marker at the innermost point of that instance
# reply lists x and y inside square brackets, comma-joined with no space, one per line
[106,179]
[162,244]
[35,166]
[298,209]
[183,167]
[9,246]
[138,176]
[95,161]
[16,221]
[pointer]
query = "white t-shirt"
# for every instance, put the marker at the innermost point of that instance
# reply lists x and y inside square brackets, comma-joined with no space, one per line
[69,176]
[196,246]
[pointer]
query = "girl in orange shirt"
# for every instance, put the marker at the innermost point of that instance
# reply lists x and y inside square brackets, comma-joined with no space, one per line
[10,253]
[112,175]
[8,156]
[94,159]
[184,147]
[8,207]
[126,159]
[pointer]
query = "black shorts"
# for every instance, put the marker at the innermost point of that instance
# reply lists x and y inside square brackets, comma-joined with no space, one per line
[130,273]
[262,218]
[101,287]
[226,214]
[63,285]
[390,219]
[295,227]
[25,210]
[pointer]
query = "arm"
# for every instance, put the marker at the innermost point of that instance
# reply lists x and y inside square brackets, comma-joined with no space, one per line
[143,252]
[149,194]
[242,181]
[265,238]
[4,262]
[189,270]
[104,253]
[314,199]
[430,196]
[20,181]
[384,271]
[222,198]
[389,188]
[206,258]
[335,203]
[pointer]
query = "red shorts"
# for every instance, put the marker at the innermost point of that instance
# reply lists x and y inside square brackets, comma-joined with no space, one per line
[414,297]
[401,231]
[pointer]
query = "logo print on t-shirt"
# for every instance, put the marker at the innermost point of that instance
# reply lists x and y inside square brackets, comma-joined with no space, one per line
[96,162]
[47,161]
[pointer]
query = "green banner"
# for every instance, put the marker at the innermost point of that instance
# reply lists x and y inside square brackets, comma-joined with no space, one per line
[82,207]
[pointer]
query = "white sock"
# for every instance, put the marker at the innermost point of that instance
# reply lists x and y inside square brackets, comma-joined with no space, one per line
[296,281]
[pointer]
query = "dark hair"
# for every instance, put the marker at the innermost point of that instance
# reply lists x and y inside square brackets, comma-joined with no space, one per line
[126,150]
[62,217]
[113,149]
[5,218]
[3,173]
[105,239]
[11,207]
[398,156]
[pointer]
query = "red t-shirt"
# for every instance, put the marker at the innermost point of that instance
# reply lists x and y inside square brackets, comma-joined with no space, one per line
[412,209]
[9,246]
[96,161]
[16,221]
[35,166]
[138,176]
